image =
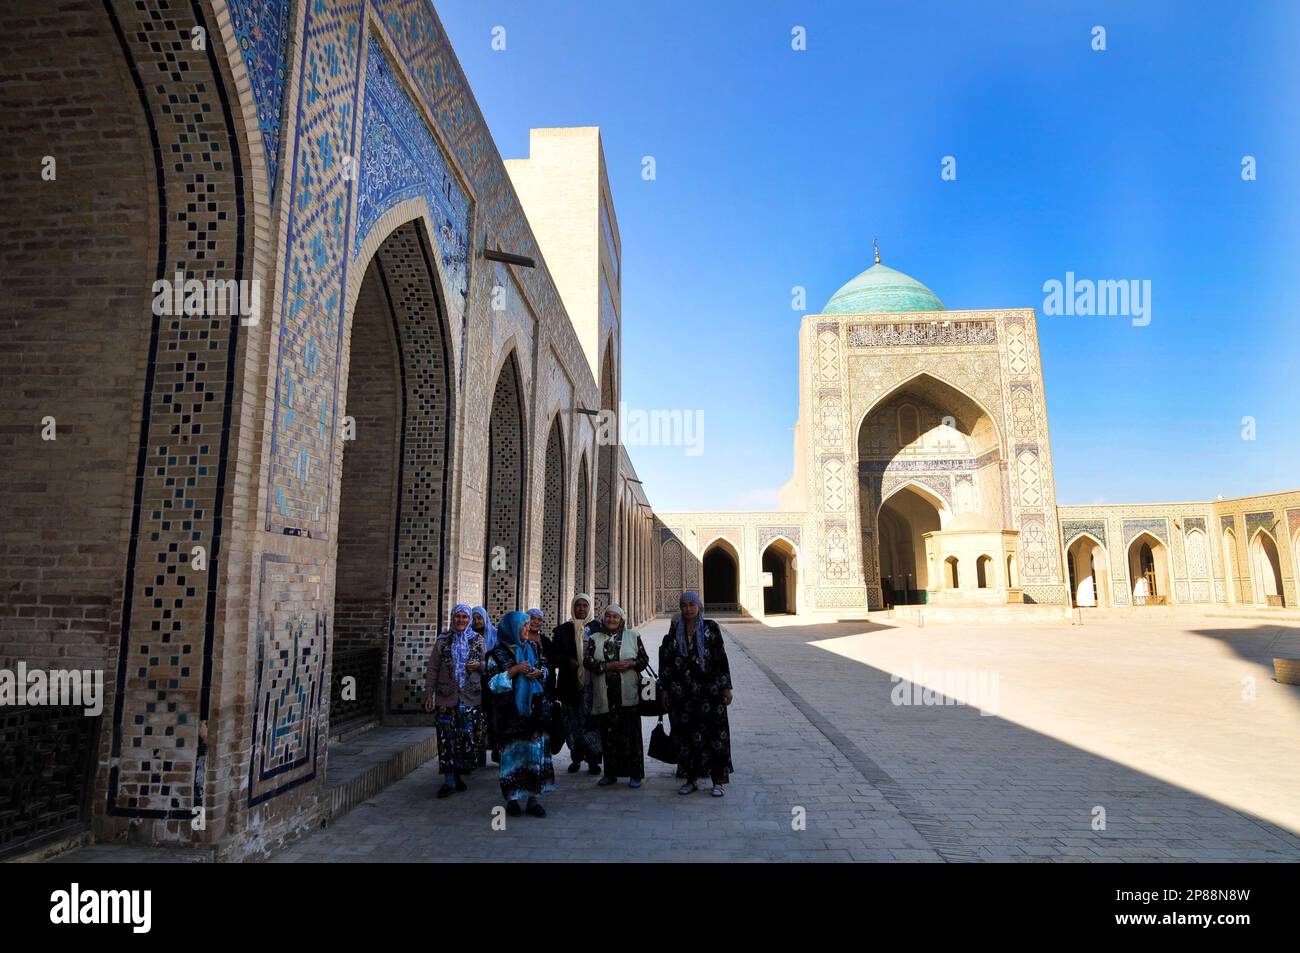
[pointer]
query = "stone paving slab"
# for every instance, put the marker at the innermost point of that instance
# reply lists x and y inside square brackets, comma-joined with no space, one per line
[782,763]
[1143,718]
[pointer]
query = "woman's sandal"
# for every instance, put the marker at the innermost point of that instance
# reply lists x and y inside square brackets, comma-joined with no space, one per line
[717,791]
[690,787]
[604,782]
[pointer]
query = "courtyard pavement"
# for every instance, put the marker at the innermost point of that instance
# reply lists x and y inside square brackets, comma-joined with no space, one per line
[1151,739]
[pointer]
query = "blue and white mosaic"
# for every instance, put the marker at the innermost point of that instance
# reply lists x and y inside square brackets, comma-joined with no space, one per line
[399,161]
[262,29]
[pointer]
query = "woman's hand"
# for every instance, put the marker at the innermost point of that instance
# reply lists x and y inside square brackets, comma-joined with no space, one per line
[519,668]
[428,703]
[726,696]
[472,666]
[534,673]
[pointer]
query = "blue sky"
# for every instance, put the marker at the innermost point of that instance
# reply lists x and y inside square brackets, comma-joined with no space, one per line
[776,168]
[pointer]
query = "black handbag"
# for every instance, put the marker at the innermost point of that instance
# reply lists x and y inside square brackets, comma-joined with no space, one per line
[649,704]
[557,731]
[662,745]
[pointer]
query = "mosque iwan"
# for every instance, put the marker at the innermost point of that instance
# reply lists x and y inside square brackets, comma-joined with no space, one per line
[295,361]
[923,484]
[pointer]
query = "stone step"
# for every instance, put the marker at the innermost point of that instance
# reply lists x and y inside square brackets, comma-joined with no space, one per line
[360,765]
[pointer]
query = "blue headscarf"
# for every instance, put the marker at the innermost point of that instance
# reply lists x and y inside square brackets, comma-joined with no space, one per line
[459,643]
[489,630]
[680,624]
[510,632]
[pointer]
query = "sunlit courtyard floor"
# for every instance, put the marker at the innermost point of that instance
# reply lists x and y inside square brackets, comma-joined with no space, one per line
[1163,738]
[1173,733]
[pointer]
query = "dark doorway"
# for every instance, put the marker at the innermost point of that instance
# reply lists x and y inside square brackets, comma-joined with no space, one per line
[779,597]
[721,579]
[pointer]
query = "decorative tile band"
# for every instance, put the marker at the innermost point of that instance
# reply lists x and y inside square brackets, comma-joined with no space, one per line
[1073,529]
[907,333]
[262,29]
[1158,528]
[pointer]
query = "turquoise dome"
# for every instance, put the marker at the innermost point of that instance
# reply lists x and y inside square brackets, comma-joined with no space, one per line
[881,290]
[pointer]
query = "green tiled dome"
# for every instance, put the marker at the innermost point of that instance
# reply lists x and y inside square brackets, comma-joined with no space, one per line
[880,289]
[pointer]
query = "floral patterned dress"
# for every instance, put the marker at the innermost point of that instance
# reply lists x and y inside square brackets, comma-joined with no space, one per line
[692,685]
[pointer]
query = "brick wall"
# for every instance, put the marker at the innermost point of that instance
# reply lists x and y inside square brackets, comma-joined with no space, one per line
[75,274]
[363,584]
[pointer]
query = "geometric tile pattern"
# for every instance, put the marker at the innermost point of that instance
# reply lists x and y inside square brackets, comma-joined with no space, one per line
[581,527]
[553,520]
[314,274]
[420,562]
[157,745]
[1158,528]
[289,719]
[1072,529]
[400,160]
[505,494]
[1256,521]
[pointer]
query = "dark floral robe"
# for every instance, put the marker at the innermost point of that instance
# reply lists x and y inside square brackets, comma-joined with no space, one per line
[692,694]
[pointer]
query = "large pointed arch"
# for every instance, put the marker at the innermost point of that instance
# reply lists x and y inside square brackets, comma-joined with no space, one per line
[606,543]
[392,585]
[507,459]
[582,526]
[554,519]
[1266,569]
[721,576]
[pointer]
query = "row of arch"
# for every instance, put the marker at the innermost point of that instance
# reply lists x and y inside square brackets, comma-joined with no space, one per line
[719,576]
[1148,579]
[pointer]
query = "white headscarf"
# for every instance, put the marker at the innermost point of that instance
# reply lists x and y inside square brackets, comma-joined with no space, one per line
[579,627]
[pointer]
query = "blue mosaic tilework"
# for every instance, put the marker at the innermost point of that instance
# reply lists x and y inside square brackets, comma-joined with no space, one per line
[1073,529]
[291,652]
[399,161]
[262,29]
[1256,521]
[1158,528]
[1194,522]
[302,439]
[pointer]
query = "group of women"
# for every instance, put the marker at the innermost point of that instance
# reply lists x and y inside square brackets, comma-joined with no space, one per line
[511,691]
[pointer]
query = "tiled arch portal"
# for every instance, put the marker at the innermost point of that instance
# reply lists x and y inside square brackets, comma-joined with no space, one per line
[581,526]
[505,494]
[553,520]
[393,520]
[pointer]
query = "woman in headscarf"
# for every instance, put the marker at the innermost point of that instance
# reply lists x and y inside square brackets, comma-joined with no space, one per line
[482,624]
[517,672]
[535,631]
[695,684]
[573,688]
[614,658]
[454,692]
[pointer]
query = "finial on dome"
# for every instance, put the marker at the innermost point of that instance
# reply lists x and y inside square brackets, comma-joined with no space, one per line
[876,243]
